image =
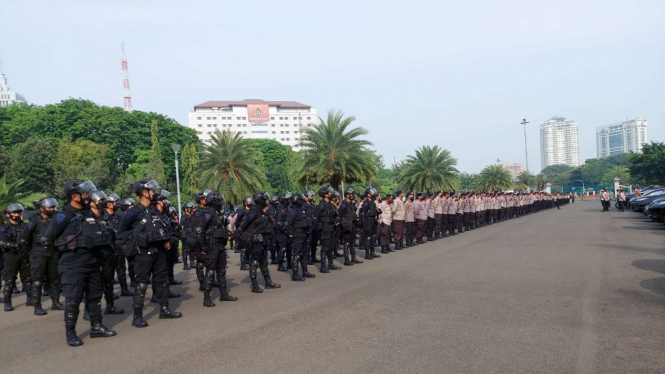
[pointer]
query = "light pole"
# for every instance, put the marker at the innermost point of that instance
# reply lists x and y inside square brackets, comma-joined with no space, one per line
[176,148]
[526,153]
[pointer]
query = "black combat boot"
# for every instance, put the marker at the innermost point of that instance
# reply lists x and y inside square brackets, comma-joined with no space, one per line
[207,299]
[28,294]
[164,311]
[295,277]
[86,311]
[303,265]
[354,256]
[124,291]
[252,277]
[7,292]
[108,296]
[223,290]
[71,316]
[384,249]
[266,277]
[139,300]
[46,289]
[368,252]
[243,260]
[373,253]
[347,259]
[97,329]
[331,263]
[55,302]
[324,262]
[37,297]
[185,260]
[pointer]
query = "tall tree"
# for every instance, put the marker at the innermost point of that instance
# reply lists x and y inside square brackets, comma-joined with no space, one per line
[541,181]
[274,161]
[525,178]
[649,165]
[32,162]
[15,193]
[333,153]
[155,167]
[494,178]
[230,165]
[430,169]
[189,166]
[81,159]
[468,181]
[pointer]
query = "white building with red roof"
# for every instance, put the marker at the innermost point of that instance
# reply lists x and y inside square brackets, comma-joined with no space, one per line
[282,121]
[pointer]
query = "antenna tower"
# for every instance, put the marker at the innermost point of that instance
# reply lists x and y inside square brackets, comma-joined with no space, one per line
[125,82]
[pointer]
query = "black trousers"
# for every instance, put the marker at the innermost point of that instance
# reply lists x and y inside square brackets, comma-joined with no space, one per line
[460,221]
[313,243]
[410,230]
[451,223]
[369,232]
[431,224]
[107,259]
[79,273]
[172,258]
[44,269]
[122,265]
[421,226]
[16,264]
[467,220]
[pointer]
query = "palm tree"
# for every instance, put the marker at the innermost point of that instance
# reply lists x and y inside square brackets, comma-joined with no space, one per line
[230,165]
[431,168]
[541,181]
[494,178]
[13,193]
[525,178]
[333,153]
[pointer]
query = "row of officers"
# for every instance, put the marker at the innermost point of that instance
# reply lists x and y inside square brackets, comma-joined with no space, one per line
[79,249]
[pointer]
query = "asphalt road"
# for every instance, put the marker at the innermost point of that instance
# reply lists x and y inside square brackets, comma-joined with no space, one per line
[568,291]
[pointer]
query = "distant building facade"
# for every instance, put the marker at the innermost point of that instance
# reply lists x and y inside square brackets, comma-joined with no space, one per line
[621,137]
[515,169]
[282,121]
[559,144]
[7,96]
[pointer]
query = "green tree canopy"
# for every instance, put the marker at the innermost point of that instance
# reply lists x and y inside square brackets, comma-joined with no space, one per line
[275,157]
[468,181]
[32,162]
[649,165]
[83,160]
[494,178]
[231,165]
[525,178]
[430,169]
[333,153]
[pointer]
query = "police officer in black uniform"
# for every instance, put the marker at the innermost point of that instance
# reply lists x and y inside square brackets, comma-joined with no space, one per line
[76,232]
[284,242]
[254,227]
[124,264]
[187,237]
[326,216]
[151,242]
[349,221]
[43,260]
[297,227]
[106,252]
[212,224]
[163,211]
[245,260]
[113,215]
[15,255]
[368,218]
[313,240]
[272,237]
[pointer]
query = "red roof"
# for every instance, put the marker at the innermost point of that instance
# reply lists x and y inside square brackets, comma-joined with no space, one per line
[228,104]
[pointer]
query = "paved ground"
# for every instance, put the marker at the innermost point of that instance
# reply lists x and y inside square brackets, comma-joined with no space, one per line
[569,291]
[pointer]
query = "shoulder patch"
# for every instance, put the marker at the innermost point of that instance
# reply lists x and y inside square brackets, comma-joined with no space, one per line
[59,218]
[31,225]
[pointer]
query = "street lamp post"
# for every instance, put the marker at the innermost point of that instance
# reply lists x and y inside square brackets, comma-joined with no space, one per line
[176,148]
[526,153]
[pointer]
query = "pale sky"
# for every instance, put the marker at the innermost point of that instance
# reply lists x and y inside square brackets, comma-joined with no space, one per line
[458,74]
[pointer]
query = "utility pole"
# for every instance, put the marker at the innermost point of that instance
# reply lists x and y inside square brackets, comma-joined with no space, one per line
[526,152]
[176,148]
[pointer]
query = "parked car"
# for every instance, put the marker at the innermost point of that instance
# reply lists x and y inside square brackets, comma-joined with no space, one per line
[645,192]
[656,210]
[639,203]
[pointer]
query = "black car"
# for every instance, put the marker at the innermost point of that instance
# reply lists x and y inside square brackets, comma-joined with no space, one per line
[656,210]
[631,196]
[638,204]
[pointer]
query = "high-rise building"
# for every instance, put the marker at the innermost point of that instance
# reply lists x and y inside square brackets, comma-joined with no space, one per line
[621,137]
[515,169]
[559,142]
[7,96]
[282,121]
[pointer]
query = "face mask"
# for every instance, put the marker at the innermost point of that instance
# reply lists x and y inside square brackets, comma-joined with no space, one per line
[49,213]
